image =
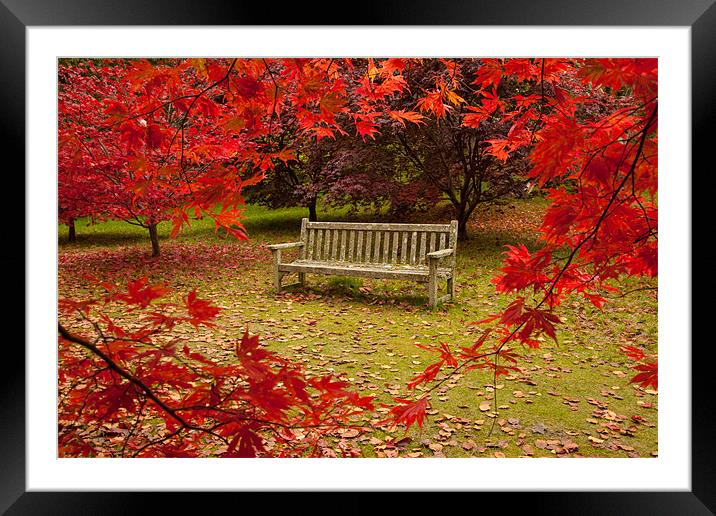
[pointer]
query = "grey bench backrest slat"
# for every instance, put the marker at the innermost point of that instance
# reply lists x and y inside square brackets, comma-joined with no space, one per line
[378,243]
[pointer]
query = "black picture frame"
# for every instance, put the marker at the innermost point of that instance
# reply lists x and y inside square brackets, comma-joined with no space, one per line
[17,15]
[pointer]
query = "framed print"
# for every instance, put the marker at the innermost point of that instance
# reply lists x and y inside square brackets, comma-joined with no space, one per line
[36,35]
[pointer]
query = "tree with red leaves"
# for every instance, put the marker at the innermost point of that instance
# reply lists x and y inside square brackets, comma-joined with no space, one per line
[135,389]
[200,130]
[151,140]
[596,143]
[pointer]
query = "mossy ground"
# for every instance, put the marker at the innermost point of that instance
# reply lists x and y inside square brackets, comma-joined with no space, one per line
[572,397]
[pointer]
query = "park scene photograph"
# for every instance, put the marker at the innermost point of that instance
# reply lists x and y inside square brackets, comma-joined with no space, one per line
[357,257]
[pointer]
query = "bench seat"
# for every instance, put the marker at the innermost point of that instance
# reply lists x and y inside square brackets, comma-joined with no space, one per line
[418,273]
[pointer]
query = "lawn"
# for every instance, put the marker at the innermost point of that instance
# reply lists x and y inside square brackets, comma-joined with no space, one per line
[571,398]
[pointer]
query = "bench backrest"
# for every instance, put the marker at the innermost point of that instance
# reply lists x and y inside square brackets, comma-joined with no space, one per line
[393,244]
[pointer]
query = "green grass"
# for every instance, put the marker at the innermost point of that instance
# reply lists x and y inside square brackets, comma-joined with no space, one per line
[366,330]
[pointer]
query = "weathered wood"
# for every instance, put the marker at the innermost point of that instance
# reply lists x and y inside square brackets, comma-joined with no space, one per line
[394,255]
[404,248]
[334,244]
[304,239]
[302,255]
[287,245]
[342,255]
[440,254]
[371,270]
[311,243]
[276,272]
[351,244]
[419,252]
[382,226]
[359,247]
[433,283]
[319,245]
[376,246]
[452,243]
[423,240]
[326,244]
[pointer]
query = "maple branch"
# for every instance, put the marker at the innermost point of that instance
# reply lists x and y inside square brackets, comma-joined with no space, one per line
[134,426]
[541,104]
[162,105]
[132,380]
[184,119]
[159,441]
[275,96]
[644,133]
[592,234]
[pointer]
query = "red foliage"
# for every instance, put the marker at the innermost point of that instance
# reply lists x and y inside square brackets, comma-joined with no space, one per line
[648,365]
[592,135]
[177,138]
[146,141]
[134,389]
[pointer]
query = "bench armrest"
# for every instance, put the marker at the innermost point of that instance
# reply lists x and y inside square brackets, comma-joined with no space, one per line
[440,254]
[288,245]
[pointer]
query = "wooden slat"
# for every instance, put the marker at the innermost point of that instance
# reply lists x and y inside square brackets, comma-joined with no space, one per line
[394,255]
[442,242]
[376,247]
[359,247]
[404,248]
[342,256]
[304,238]
[326,244]
[423,242]
[311,243]
[386,246]
[351,244]
[413,246]
[319,245]
[431,248]
[368,237]
[452,243]
[334,244]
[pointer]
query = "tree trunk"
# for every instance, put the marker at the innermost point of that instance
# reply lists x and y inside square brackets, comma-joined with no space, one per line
[462,230]
[312,214]
[72,235]
[154,237]
[462,215]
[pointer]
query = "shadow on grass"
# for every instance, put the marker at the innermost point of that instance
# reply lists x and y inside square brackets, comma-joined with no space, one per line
[376,292]
[98,239]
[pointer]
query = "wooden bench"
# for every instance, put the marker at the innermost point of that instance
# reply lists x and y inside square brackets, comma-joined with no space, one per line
[419,252]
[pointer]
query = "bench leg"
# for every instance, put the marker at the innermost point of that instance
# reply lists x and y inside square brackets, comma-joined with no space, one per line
[451,288]
[276,274]
[432,289]
[302,278]
[277,281]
